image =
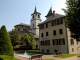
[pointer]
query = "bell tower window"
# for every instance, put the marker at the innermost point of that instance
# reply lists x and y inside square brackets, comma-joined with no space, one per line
[38,16]
[33,16]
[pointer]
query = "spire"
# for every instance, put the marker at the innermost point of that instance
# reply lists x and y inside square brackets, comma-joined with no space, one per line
[35,10]
[50,11]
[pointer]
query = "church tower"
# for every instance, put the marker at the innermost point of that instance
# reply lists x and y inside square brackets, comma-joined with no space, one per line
[35,20]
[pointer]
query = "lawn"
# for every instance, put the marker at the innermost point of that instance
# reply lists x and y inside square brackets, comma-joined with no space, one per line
[48,59]
[5,57]
[67,55]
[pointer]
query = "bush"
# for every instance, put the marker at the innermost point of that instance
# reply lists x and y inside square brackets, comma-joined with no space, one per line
[5,42]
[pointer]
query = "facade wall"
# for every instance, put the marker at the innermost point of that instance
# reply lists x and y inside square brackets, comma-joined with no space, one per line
[75,47]
[68,47]
[22,29]
[51,47]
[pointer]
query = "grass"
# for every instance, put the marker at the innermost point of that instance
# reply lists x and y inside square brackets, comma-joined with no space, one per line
[48,59]
[5,57]
[67,55]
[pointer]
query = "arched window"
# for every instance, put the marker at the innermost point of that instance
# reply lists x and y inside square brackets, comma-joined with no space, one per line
[38,16]
[33,16]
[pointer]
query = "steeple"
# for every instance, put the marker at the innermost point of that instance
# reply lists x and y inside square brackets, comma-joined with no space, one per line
[35,11]
[50,12]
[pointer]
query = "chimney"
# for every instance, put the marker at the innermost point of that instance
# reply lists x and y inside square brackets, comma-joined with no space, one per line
[54,13]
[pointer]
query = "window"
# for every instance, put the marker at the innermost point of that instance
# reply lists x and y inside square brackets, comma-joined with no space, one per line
[46,33]
[72,50]
[21,29]
[77,42]
[42,43]
[36,46]
[47,50]
[42,35]
[60,21]
[46,25]
[60,31]
[42,50]
[33,16]
[72,41]
[38,16]
[18,29]
[53,23]
[59,41]
[42,27]
[63,41]
[54,32]
[33,25]
[47,42]
[53,41]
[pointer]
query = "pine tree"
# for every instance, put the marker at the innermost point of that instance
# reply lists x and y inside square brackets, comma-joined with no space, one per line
[5,43]
[73,17]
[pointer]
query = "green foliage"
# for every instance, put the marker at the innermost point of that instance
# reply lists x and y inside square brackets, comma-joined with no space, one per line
[67,55]
[5,42]
[28,39]
[14,36]
[72,12]
[5,57]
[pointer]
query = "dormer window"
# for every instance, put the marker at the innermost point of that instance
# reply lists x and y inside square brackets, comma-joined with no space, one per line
[38,16]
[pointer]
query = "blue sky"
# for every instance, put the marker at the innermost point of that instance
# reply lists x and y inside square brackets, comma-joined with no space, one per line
[13,12]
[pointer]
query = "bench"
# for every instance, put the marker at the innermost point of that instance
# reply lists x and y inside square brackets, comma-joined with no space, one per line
[58,53]
[36,56]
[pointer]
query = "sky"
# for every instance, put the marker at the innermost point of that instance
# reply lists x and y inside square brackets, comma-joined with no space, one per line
[13,12]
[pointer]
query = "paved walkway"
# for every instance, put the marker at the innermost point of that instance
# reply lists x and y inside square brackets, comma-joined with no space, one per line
[48,56]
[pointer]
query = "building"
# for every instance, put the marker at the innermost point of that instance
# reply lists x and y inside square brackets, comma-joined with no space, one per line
[55,36]
[32,28]
[22,28]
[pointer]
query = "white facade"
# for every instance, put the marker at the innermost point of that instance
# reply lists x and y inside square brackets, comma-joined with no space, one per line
[35,20]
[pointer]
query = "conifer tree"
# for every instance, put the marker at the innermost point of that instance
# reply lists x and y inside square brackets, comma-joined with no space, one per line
[5,42]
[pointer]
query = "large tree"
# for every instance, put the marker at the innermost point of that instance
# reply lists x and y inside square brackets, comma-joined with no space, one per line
[5,42]
[14,36]
[72,12]
[28,39]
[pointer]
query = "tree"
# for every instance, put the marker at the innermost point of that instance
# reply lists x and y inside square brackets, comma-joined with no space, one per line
[28,39]
[72,12]
[14,36]
[5,42]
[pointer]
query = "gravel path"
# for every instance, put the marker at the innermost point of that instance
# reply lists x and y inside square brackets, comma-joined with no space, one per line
[47,56]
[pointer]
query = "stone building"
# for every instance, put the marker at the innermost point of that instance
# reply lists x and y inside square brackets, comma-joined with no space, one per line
[32,28]
[55,36]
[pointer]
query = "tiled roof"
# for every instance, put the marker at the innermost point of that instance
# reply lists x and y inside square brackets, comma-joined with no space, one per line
[50,11]
[22,24]
[51,18]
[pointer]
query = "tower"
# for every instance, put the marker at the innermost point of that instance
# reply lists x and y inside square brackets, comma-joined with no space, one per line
[35,20]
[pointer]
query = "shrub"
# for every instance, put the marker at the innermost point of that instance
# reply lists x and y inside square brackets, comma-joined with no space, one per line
[5,42]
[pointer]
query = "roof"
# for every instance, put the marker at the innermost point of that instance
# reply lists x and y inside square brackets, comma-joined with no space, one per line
[50,12]
[36,36]
[22,24]
[36,11]
[51,18]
